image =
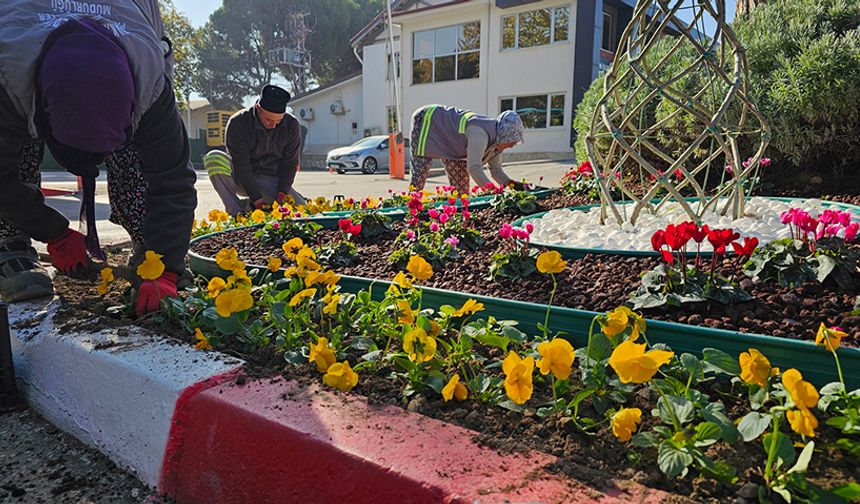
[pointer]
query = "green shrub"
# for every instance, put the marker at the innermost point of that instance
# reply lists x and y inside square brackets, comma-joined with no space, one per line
[804,68]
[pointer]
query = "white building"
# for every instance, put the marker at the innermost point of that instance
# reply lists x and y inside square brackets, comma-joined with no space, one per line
[487,56]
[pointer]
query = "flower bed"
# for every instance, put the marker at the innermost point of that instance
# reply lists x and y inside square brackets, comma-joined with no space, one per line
[592,283]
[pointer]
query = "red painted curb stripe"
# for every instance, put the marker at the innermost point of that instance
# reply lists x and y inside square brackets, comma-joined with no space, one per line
[179,421]
[278,441]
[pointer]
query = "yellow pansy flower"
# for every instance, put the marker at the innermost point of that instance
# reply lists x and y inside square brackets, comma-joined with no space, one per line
[802,421]
[291,272]
[633,364]
[454,389]
[239,279]
[276,212]
[312,278]
[258,216]
[341,376]
[829,338]
[556,357]
[419,268]
[202,340]
[275,263]
[625,422]
[301,296]
[755,368]
[407,314]
[322,354]
[550,262]
[617,321]
[151,268]
[331,305]
[469,307]
[107,277]
[518,377]
[418,345]
[291,246]
[233,301]
[228,259]
[402,281]
[802,392]
[216,285]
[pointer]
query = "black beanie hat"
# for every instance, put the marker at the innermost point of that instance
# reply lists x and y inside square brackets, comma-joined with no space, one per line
[274,99]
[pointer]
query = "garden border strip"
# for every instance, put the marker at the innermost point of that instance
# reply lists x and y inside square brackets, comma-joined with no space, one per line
[579,253]
[113,388]
[815,363]
[179,417]
[280,441]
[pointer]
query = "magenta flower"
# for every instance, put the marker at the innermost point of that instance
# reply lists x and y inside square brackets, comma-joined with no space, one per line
[851,231]
[467,214]
[434,214]
[453,241]
[410,235]
[443,218]
[276,225]
[506,231]
[434,227]
[530,227]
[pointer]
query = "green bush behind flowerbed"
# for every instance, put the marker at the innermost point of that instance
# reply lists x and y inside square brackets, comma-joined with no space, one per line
[804,69]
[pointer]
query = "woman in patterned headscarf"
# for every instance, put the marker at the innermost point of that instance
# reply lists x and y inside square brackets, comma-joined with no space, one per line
[465,142]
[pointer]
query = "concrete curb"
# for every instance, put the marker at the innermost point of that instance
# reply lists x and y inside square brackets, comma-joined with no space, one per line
[113,388]
[178,419]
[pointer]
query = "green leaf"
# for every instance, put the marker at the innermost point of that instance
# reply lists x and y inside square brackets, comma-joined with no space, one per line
[848,446]
[493,340]
[803,460]
[707,433]
[681,407]
[832,388]
[645,440]
[295,358]
[752,425]
[784,449]
[513,333]
[693,366]
[721,362]
[715,412]
[673,461]
[435,381]
[849,491]
[581,396]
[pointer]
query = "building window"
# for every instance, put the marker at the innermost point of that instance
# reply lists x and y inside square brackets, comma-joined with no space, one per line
[610,28]
[443,54]
[537,111]
[536,28]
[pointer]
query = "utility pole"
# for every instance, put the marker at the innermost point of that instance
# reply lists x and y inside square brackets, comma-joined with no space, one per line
[290,53]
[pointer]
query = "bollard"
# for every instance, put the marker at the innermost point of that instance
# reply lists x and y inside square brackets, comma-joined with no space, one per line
[9,398]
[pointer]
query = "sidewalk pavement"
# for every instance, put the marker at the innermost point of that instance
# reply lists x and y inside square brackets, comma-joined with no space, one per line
[309,183]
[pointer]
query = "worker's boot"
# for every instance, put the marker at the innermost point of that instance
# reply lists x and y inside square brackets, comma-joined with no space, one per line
[21,275]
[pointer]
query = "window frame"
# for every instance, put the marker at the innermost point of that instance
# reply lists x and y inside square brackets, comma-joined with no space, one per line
[613,27]
[552,22]
[549,96]
[457,52]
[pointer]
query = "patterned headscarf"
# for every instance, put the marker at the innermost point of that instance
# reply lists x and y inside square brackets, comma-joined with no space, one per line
[509,128]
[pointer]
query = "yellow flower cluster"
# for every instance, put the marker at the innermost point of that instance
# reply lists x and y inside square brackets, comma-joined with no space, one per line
[619,320]
[151,268]
[234,295]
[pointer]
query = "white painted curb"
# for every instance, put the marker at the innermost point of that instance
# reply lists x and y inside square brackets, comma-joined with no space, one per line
[113,388]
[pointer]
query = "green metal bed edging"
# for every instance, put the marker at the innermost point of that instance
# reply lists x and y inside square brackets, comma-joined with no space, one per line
[579,253]
[814,362]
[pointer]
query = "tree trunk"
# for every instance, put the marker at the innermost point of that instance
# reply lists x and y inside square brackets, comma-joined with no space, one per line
[745,7]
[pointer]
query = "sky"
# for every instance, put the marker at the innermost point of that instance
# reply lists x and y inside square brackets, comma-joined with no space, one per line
[197,10]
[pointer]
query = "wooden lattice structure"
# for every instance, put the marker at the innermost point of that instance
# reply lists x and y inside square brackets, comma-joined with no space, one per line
[648,96]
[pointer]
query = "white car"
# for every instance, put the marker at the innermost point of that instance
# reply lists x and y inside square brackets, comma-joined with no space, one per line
[368,155]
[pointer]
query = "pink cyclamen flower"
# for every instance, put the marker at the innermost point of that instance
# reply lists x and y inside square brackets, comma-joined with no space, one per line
[530,227]
[410,235]
[434,227]
[276,225]
[765,162]
[443,218]
[728,168]
[434,214]
[450,209]
[453,241]
[851,231]
[506,231]
[843,218]
[467,214]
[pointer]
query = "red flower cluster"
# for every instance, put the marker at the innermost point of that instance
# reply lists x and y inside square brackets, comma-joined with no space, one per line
[674,238]
[347,227]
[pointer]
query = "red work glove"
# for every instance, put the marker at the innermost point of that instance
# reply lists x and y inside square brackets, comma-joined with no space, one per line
[151,292]
[69,252]
[260,203]
[281,197]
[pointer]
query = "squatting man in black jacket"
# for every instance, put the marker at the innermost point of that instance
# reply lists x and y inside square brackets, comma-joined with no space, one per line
[94,87]
[262,158]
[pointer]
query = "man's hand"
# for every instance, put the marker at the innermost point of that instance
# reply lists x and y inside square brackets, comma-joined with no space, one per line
[263,202]
[151,292]
[518,186]
[69,252]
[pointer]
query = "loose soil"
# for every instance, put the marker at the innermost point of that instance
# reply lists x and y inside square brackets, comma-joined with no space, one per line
[597,282]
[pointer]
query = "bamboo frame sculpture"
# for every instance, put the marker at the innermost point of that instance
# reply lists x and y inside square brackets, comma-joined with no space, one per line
[706,93]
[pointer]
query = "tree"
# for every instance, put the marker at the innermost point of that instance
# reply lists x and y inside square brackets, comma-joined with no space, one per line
[234,44]
[745,7]
[183,37]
